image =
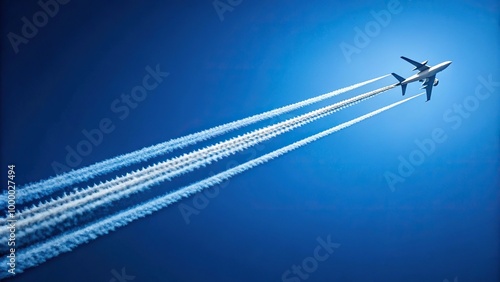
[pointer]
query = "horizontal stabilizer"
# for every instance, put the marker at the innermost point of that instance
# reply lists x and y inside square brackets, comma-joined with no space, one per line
[403,88]
[400,79]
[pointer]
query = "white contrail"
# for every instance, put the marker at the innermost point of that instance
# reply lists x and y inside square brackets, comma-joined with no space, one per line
[40,253]
[46,187]
[84,192]
[39,224]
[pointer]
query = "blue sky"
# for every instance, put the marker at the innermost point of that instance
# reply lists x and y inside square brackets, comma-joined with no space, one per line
[441,222]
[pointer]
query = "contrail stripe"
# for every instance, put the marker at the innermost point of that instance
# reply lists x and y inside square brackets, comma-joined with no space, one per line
[46,187]
[86,191]
[40,253]
[40,224]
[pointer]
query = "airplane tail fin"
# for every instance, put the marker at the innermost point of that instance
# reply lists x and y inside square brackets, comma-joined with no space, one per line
[400,79]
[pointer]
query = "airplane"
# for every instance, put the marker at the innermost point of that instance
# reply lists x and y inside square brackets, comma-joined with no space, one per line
[426,75]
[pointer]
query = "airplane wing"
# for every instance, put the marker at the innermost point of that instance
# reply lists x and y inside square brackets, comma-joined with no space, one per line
[418,66]
[429,82]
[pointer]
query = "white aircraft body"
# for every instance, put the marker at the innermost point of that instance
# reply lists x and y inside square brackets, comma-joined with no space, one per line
[427,75]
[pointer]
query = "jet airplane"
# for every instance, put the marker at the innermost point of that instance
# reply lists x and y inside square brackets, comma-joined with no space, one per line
[426,75]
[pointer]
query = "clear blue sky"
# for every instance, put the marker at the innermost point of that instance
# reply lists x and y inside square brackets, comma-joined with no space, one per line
[441,222]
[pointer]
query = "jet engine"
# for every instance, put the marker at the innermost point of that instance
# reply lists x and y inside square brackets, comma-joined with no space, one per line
[436,82]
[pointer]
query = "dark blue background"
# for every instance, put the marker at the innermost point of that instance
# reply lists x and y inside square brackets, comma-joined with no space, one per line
[442,222]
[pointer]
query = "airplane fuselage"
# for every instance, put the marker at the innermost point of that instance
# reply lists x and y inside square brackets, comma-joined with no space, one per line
[427,73]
